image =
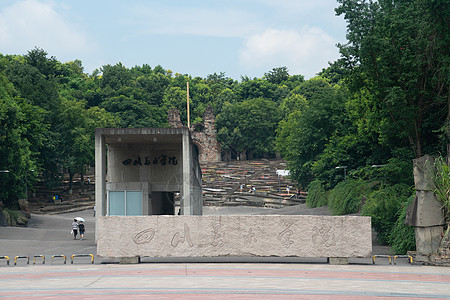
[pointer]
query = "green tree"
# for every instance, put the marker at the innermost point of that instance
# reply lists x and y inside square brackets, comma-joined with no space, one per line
[249,127]
[277,75]
[398,51]
[135,113]
[21,134]
[116,77]
[317,112]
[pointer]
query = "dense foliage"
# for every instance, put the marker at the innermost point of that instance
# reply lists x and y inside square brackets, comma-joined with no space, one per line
[317,195]
[384,206]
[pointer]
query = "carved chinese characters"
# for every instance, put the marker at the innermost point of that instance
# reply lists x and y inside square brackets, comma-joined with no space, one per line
[162,159]
[145,236]
[182,237]
[203,236]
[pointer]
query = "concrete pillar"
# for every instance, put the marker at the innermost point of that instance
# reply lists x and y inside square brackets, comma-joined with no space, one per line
[186,201]
[427,213]
[100,173]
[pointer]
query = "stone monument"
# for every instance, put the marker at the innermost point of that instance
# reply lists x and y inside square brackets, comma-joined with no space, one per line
[425,213]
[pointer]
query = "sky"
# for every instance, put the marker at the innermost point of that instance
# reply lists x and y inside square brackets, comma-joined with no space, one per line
[195,37]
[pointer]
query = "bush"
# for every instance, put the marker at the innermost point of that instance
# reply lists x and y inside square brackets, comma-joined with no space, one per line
[402,236]
[15,218]
[317,196]
[346,197]
[384,207]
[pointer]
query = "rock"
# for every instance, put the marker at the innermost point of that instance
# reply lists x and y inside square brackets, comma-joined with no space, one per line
[22,219]
[24,207]
[3,221]
[10,218]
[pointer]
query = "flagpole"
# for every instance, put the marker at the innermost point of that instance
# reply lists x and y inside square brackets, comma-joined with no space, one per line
[188,115]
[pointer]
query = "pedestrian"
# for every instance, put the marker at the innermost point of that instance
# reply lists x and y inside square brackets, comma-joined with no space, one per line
[81,229]
[74,229]
[241,187]
[288,189]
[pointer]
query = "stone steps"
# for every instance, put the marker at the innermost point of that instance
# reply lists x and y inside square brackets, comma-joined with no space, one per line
[222,181]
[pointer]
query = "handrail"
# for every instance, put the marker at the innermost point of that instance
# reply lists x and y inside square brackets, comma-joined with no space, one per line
[403,256]
[385,256]
[59,256]
[83,255]
[43,259]
[27,257]
[7,259]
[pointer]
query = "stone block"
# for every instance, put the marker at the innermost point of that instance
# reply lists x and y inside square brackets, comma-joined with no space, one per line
[338,261]
[215,236]
[422,168]
[428,239]
[129,260]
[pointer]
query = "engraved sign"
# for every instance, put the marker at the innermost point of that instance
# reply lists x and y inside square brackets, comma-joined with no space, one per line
[144,236]
[323,235]
[162,159]
[250,237]
[285,235]
[181,238]
[219,235]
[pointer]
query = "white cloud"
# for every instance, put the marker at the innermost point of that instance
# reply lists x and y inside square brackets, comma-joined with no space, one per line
[305,52]
[31,23]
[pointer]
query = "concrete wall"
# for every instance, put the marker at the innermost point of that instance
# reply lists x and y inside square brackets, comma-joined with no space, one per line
[156,161]
[158,164]
[213,236]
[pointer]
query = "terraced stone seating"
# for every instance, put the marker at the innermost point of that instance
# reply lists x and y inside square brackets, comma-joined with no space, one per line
[222,184]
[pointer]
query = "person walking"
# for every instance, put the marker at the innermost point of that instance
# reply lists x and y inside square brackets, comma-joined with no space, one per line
[81,229]
[74,229]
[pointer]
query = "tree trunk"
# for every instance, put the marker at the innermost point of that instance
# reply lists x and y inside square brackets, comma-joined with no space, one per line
[82,178]
[448,126]
[71,173]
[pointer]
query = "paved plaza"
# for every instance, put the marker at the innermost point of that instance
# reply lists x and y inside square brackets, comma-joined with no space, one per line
[224,281]
[225,278]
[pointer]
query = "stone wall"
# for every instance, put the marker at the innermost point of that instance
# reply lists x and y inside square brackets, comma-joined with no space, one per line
[215,236]
[204,135]
[442,257]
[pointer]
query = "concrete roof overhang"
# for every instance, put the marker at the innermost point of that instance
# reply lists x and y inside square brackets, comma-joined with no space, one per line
[142,135]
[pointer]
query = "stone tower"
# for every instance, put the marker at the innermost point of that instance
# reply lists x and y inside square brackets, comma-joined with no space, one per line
[174,118]
[204,135]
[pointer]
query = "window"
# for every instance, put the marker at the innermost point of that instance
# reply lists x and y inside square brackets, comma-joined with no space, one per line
[125,203]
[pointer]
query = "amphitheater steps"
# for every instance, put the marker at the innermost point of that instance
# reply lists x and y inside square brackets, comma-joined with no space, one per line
[222,182]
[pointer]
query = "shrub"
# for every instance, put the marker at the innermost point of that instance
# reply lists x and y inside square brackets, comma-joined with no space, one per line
[346,197]
[384,207]
[402,236]
[440,178]
[317,196]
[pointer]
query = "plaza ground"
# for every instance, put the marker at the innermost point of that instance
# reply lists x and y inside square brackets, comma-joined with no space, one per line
[225,278]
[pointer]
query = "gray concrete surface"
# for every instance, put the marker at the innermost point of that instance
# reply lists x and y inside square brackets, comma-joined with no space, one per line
[48,235]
